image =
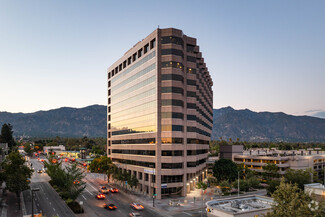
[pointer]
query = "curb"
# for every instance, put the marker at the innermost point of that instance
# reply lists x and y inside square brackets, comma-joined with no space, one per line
[61,199]
[22,202]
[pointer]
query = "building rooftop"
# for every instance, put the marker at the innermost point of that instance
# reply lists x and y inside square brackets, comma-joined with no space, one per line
[241,204]
[315,185]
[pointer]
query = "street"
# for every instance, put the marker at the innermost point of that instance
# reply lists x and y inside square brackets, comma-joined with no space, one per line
[49,203]
[46,199]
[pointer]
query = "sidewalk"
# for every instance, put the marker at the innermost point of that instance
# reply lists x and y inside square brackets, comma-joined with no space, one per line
[9,206]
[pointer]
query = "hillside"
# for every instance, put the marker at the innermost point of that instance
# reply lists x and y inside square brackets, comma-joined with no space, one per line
[228,123]
[64,122]
[266,126]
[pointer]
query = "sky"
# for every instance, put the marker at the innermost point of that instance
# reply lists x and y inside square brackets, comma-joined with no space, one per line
[262,55]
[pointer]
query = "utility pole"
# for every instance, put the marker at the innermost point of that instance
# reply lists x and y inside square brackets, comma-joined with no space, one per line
[202,202]
[238,184]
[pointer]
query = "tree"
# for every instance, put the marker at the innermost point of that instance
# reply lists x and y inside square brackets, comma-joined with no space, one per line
[272,186]
[74,185]
[243,185]
[104,165]
[225,169]
[253,182]
[7,135]
[68,182]
[290,201]
[28,149]
[133,181]
[299,177]
[225,186]
[201,185]
[15,173]
[270,171]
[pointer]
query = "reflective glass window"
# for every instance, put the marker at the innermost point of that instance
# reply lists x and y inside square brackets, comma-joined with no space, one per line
[191,59]
[172,52]
[172,64]
[172,90]
[173,77]
[172,102]
[172,40]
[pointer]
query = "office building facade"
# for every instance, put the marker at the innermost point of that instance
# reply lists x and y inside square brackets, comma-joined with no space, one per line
[159,113]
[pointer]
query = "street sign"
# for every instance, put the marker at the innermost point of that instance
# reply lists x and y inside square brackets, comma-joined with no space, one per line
[126,182]
[163,185]
[152,171]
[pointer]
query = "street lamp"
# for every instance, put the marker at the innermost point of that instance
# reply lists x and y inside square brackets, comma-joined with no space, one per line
[153,188]
[33,189]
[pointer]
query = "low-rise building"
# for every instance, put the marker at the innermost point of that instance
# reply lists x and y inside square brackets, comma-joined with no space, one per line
[245,206]
[255,159]
[315,188]
[48,149]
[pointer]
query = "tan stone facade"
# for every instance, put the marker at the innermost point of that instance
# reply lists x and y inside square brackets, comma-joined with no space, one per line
[160,113]
[284,159]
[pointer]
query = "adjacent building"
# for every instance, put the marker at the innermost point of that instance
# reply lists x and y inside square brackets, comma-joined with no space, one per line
[245,206]
[159,113]
[255,159]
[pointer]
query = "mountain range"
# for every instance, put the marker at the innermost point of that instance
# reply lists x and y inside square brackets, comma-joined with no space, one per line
[228,123]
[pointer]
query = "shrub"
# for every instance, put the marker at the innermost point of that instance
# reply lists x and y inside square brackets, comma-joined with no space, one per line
[253,182]
[75,206]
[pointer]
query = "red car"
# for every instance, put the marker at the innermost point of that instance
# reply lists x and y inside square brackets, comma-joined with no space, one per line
[113,190]
[100,196]
[136,206]
[110,206]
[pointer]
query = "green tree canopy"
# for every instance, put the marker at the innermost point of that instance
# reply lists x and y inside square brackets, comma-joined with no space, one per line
[28,149]
[103,165]
[15,173]
[225,169]
[290,201]
[69,181]
[299,177]
[7,135]
[270,171]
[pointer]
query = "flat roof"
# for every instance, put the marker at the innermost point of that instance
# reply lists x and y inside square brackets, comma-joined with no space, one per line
[241,204]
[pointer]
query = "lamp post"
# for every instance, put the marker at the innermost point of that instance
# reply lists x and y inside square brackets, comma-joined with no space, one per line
[153,188]
[238,184]
[35,189]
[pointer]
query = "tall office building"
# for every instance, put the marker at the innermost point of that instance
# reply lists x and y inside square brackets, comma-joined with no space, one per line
[159,114]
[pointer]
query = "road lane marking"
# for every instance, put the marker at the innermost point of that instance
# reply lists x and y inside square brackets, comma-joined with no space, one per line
[88,191]
[54,209]
[84,197]
[92,186]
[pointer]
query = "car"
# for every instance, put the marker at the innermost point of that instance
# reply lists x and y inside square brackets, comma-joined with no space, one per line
[113,190]
[134,214]
[136,206]
[39,171]
[110,206]
[103,190]
[100,196]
